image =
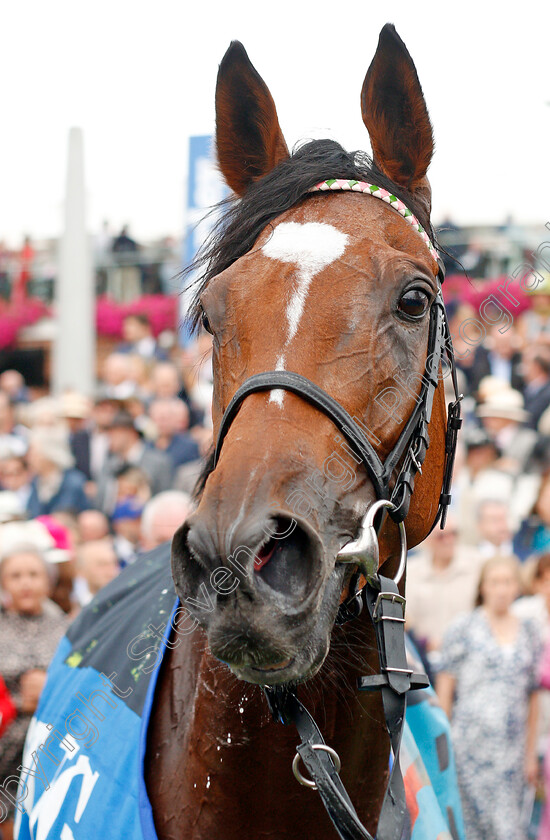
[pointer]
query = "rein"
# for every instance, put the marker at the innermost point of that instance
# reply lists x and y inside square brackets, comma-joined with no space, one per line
[380,594]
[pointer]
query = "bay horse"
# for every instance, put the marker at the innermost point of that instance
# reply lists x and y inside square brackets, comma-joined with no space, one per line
[321,289]
[329,292]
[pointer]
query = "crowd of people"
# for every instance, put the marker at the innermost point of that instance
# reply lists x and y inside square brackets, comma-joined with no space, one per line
[88,484]
[478,592]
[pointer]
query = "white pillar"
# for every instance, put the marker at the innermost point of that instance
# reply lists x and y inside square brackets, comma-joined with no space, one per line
[74,349]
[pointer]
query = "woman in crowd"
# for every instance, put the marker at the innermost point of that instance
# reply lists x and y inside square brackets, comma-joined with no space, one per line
[30,628]
[56,485]
[487,685]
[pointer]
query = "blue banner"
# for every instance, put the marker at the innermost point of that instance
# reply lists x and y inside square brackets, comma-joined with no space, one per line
[205,188]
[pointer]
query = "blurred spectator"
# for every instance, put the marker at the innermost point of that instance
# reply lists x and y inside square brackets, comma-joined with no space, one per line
[166,384]
[139,338]
[77,410]
[498,356]
[126,279]
[15,477]
[171,419]
[535,322]
[493,526]
[126,523]
[126,448]
[92,525]
[55,485]
[45,412]
[503,416]
[487,686]
[13,384]
[132,486]
[97,566]
[534,535]
[165,381]
[140,374]
[117,383]
[536,372]
[162,516]
[60,527]
[29,634]
[24,275]
[12,440]
[123,243]
[441,583]
[103,414]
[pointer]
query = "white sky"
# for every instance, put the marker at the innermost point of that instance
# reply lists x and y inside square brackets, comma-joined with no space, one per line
[138,78]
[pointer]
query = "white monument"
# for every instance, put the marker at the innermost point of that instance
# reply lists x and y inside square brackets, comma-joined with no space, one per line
[74,348]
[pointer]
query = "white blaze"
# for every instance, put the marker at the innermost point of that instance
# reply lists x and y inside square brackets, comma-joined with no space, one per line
[311,246]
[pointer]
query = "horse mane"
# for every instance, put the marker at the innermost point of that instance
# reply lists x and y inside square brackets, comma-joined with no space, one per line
[242,220]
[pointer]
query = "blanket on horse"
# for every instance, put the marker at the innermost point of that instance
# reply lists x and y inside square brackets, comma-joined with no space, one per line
[82,772]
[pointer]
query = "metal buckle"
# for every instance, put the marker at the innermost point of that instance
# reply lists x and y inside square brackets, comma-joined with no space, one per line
[395,598]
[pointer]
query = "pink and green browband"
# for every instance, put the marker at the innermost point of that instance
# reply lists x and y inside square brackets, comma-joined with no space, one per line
[385,195]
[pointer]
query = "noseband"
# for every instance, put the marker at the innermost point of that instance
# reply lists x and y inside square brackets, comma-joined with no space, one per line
[393,482]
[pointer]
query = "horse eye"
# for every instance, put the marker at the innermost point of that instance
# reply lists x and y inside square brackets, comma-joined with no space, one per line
[206,322]
[414,303]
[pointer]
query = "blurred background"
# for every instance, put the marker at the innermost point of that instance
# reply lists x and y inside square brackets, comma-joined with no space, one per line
[106,173]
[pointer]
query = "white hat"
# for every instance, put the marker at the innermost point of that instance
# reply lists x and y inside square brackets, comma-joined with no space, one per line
[507,404]
[10,506]
[31,534]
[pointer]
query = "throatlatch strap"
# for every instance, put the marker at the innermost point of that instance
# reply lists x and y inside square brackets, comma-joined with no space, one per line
[286,708]
[386,608]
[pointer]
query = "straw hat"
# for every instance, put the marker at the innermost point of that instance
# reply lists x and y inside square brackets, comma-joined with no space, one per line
[507,404]
[75,405]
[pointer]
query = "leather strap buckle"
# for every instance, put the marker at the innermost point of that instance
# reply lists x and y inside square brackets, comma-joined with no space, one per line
[394,598]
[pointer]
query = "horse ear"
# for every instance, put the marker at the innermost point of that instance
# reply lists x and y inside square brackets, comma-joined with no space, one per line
[396,117]
[249,140]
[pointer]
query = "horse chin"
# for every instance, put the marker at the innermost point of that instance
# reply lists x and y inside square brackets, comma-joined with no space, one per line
[291,671]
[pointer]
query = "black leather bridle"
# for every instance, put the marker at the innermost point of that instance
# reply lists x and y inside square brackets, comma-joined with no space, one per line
[386,606]
[410,449]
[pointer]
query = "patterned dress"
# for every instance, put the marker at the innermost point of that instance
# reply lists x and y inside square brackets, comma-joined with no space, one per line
[489,722]
[26,642]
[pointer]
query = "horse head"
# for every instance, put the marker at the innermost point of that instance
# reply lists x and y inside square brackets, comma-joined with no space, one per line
[336,287]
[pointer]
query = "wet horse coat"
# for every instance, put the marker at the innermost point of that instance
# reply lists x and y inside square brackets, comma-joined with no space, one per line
[98,701]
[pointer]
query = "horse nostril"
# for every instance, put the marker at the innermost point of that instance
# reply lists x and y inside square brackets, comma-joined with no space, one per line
[286,562]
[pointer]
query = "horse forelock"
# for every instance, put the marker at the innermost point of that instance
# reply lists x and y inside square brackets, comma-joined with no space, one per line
[241,220]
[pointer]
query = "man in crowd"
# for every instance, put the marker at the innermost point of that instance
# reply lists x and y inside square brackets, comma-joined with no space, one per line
[171,419]
[126,448]
[493,526]
[139,338]
[162,516]
[97,566]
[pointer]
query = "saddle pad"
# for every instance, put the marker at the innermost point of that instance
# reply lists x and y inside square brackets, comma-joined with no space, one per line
[82,775]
